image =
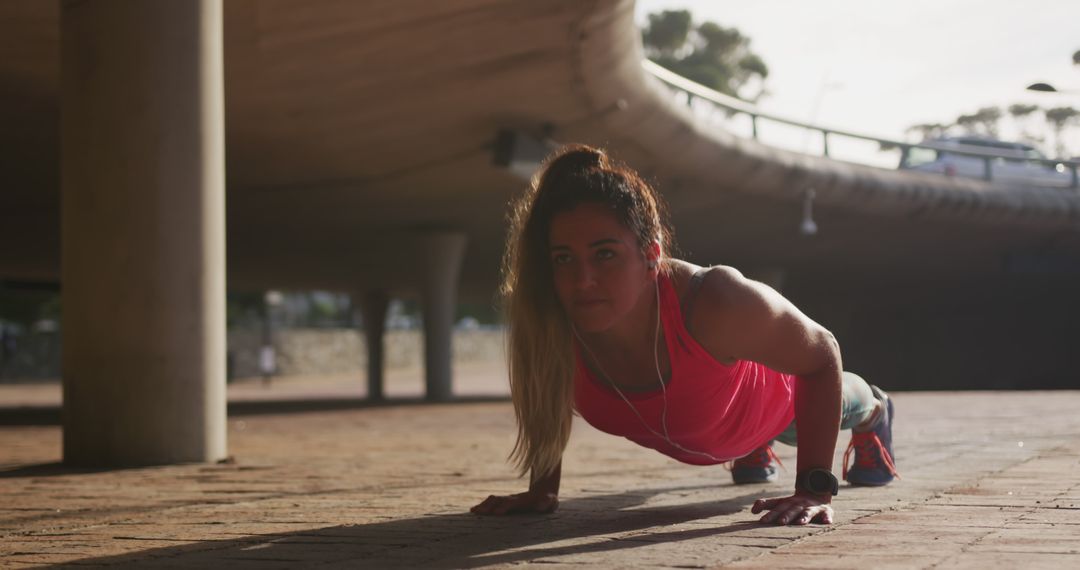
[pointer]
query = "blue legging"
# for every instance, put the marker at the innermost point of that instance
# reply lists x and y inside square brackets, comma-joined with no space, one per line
[859,398]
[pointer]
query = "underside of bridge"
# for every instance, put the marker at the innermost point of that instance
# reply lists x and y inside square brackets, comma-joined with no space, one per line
[356,130]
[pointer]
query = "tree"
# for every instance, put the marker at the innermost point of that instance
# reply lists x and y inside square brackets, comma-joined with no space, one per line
[1059,118]
[24,304]
[981,122]
[244,307]
[667,32]
[1021,110]
[710,54]
[929,130]
[1021,114]
[985,122]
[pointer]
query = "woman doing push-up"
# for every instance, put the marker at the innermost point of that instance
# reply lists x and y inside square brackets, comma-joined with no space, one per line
[700,364]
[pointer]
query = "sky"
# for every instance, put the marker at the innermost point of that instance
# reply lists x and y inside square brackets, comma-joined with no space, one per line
[878,67]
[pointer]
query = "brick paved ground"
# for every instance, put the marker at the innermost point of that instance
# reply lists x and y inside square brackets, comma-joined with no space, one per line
[989,480]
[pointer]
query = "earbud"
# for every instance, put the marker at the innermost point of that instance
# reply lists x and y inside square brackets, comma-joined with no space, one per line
[653,255]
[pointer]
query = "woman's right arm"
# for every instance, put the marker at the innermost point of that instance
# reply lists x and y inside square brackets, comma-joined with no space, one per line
[542,497]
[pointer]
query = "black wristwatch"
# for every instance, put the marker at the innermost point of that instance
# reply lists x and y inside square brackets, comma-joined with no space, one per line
[817,482]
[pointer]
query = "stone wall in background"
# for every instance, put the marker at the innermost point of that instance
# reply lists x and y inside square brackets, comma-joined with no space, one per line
[332,351]
[30,357]
[297,352]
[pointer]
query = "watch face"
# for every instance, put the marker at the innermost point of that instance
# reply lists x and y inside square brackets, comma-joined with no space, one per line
[820,481]
[817,481]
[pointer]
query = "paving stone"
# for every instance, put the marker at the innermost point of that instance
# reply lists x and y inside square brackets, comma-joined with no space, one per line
[1007,561]
[390,488]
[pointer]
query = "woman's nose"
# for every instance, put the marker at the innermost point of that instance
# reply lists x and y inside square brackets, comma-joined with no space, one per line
[583,275]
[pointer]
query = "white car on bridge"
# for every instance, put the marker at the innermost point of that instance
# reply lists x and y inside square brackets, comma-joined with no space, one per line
[1008,162]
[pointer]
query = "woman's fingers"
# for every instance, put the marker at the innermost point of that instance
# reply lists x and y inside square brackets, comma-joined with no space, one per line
[792,510]
[501,505]
[484,507]
[791,513]
[493,505]
[824,515]
[509,504]
[766,504]
[820,514]
[782,513]
[519,503]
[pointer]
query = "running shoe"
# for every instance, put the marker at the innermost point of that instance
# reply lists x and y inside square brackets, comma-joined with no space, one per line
[874,464]
[757,467]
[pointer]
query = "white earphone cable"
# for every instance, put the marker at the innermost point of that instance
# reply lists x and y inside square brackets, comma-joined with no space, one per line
[659,376]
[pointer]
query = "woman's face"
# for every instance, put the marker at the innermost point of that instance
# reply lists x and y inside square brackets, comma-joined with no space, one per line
[599,270]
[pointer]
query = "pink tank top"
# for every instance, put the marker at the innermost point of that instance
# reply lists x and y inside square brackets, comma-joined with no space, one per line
[725,411]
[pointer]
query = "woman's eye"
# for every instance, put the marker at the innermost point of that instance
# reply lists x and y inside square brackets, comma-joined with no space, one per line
[560,259]
[605,254]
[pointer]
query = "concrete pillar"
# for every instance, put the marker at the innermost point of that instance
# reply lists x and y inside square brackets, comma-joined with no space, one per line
[443,253]
[373,308]
[143,226]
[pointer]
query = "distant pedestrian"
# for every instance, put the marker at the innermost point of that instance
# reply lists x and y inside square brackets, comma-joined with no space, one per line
[700,364]
[267,363]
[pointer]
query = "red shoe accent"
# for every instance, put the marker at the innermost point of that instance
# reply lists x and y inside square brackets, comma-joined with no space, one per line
[868,447]
[760,457]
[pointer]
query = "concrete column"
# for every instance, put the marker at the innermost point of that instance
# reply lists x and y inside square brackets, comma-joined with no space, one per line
[373,308]
[443,253]
[143,228]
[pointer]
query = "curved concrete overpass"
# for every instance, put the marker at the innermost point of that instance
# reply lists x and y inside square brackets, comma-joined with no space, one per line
[353,130]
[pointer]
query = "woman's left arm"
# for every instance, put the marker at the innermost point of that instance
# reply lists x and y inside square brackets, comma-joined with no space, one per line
[736,317]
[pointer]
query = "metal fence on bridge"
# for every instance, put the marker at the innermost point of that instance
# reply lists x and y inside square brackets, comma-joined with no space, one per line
[740,117]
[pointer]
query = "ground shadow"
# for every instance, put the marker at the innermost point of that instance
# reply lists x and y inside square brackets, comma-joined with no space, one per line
[53,469]
[51,415]
[59,468]
[458,540]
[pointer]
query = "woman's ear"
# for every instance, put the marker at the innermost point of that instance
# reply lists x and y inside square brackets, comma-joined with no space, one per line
[653,255]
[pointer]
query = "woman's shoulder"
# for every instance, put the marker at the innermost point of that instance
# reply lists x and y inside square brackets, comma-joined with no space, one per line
[714,279]
[702,302]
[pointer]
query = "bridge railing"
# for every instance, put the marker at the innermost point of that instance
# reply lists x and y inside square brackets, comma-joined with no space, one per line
[690,93]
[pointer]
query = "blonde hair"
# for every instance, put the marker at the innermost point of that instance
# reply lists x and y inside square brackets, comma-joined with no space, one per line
[540,348]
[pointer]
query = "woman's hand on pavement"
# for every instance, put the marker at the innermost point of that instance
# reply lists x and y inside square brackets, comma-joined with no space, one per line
[798,509]
[527,502]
